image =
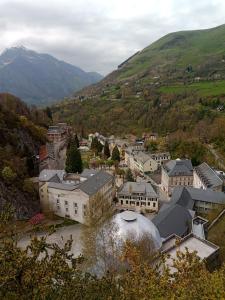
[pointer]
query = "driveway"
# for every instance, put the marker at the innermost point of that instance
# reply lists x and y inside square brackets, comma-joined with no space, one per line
[60,237]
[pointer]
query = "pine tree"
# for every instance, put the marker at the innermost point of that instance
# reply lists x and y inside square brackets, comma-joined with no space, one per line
[129,176]
[48,112]
[76,140]
[106,150]
[73,160]
[115,154]
[94,144]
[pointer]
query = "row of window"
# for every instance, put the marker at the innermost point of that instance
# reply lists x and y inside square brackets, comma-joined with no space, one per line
[138,198]
[137,203]
[75,208]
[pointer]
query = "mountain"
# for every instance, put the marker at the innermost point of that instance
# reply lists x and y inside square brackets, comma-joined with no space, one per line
[40,78]
[21,135]
[176,57]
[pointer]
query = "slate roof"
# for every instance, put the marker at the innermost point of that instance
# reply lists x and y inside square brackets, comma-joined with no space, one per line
[142,157]
[206,195]
[186,196]
[94,183]
[62,186]
[208,175]
[47,175]
[88,173]
[137,187]
[182,197]
[179,167]
[175,219]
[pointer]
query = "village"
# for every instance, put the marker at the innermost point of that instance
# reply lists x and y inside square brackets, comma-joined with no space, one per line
[171,194]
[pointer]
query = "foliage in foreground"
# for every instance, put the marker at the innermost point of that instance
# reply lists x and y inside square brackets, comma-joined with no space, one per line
[46,271]
[34,274]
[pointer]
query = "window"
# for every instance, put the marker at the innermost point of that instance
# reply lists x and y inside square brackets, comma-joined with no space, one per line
[154,204]
[66,202]
[75,211]
[149,203]
[67,209]
[75,204]
[58,207]
[126,202]
[137,203]
[57,201]
[121,202]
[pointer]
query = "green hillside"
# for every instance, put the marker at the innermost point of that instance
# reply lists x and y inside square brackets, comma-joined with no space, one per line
[203,50]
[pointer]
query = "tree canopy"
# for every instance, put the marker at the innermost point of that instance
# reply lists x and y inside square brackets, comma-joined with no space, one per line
[73,160]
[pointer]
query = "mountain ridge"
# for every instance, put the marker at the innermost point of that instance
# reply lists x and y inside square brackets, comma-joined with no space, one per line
[39,78]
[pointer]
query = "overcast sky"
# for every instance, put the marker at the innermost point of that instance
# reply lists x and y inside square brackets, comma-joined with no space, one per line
[97,35]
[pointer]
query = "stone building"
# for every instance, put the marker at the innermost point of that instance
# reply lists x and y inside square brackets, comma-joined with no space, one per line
[176,172]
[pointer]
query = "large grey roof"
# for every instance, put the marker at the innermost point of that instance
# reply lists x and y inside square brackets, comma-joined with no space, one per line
[88,173]
[179,167]
[138,187]
[206,195]
[174,219]
[208,175]
[94,183]
[62,186]
[47,175]
[186,196]
[182,197]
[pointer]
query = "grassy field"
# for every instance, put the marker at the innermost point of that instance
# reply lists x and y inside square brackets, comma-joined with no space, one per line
[206,88]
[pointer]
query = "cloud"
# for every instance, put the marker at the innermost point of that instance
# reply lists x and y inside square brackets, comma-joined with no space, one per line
[97,35]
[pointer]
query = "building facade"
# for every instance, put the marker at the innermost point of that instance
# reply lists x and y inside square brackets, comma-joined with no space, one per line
[137,196]
[176,173]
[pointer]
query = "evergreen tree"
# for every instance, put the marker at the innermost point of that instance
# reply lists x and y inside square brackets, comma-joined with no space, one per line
[129,176]
[116,154]
[73,160]
[106,150]
[96,146]
[76,140]
[99,147]
[48,112]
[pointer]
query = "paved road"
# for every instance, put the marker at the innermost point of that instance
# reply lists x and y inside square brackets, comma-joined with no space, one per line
[60,237]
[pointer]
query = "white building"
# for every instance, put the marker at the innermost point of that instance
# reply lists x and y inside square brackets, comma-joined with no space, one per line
[69,197]
[206,178]
[137,196]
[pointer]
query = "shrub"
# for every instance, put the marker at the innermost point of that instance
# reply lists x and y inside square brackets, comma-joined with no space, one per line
[8,175]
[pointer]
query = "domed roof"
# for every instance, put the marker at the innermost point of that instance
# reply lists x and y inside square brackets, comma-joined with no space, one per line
[129,222]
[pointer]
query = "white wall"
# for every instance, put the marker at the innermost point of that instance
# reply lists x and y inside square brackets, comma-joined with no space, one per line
[70,204]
